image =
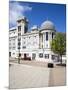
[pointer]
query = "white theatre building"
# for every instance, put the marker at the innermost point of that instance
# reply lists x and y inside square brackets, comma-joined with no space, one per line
[33,43]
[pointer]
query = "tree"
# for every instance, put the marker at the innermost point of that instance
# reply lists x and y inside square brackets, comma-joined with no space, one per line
[58,44]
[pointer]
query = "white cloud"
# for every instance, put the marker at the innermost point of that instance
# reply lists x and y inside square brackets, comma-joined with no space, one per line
[17,10]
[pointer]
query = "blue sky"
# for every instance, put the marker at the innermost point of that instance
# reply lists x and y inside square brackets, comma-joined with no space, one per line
[37,13]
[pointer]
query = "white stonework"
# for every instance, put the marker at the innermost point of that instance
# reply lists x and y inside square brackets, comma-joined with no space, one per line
[34,44]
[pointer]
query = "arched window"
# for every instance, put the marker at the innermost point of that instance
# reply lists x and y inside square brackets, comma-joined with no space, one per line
[46,36]
[25,29]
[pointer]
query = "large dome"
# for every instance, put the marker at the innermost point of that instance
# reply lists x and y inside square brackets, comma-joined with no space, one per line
[47,25]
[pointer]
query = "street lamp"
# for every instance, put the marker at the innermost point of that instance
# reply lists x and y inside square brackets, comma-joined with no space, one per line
[19,43]
[19,55]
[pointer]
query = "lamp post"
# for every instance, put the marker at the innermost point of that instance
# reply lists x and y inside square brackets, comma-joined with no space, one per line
[19,43]
[43,41]
[19,57]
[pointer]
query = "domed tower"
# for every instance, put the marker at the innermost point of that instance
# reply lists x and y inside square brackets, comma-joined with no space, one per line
[22,24]
[22,28]
[48,32]
[47,25]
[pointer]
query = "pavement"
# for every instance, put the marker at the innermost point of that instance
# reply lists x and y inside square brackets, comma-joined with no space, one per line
[28,75]
[31,63]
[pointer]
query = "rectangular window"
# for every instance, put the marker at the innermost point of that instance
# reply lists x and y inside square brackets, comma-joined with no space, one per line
[13,47]
[46,45]
[46,36]
[18,47]
[19,39]
[10,33]
[26,29]
[23,42]
[24,47]
[29,37]
[19,34]
[33,55]
[46,56]
[9,48]
[19,43]
[53,57]
[41,55]
[9,43]
[13,53]
[9,40]
[14,32]
[19,28]
[13,43]
[52,35]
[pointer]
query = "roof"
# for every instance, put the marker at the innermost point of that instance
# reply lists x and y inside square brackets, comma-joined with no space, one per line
[47,25]
[22,18]
[35,27]
[13,28]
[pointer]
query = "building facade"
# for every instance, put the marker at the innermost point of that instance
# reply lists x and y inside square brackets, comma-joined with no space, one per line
[34,44]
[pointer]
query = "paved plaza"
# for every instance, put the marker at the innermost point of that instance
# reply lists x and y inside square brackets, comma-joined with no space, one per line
[31,75]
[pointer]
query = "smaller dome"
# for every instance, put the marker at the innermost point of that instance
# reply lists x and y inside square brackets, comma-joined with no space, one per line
[35,27]
[22,18]
[47,25]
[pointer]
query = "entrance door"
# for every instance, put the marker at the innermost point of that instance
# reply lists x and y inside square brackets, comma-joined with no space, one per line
[9,54]
[19,54]
[33,56]
[25,55]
